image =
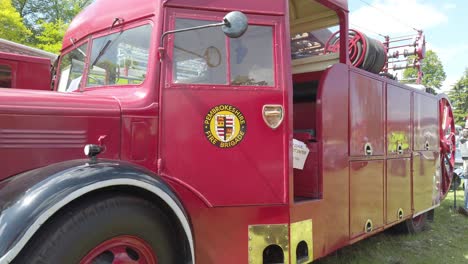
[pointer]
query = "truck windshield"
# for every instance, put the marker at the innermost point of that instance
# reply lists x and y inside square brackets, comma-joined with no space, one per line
[71,69]
[120,58]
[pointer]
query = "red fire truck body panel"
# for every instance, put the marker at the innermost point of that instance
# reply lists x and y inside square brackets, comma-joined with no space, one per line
[226,147]
[25,72]
[35,132]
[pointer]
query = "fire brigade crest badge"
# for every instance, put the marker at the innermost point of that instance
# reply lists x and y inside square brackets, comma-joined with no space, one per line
[225,126]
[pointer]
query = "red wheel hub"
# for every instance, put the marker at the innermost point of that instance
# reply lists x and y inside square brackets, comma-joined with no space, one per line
[121,250]
[447,144]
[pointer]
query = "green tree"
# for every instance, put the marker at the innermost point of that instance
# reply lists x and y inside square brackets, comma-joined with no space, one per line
[34,11]
[11,23]
[459,99]
[51,36]
[434,74]
[47,20]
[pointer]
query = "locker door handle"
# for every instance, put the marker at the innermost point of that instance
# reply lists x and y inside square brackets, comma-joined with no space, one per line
[426,145]
[399,149]
[368,149]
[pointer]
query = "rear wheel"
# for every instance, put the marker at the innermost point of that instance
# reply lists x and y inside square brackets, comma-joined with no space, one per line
[414,225]
[417,224]
[447,145]
[107,229]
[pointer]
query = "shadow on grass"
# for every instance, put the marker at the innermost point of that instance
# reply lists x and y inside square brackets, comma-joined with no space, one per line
[445,241]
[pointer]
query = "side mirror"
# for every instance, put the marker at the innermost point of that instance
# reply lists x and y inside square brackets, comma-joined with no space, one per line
[235,24]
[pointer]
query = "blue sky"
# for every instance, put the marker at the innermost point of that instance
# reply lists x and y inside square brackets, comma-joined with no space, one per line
[445,23]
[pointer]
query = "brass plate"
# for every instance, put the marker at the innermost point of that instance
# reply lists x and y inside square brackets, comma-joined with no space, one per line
[262,236]
[302,231]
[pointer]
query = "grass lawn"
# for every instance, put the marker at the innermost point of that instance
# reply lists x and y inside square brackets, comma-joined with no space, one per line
[445,241]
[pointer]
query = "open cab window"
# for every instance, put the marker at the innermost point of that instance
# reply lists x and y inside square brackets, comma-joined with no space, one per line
[6,76]
[207,56]
[72,69]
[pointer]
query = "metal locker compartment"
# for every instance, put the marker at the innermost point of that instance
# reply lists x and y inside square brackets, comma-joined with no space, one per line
[426,180]
[398,121]
[366,195]
[425,123]
[398,182]
[366,116]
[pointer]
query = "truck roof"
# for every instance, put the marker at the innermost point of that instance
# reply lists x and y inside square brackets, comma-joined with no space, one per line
[100,14]
[24,52]
[24,58]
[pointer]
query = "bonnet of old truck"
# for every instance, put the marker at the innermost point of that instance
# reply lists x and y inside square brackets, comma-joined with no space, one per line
[39,128]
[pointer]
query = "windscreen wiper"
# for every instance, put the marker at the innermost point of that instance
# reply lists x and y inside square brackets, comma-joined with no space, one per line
[101,52]
[104,48]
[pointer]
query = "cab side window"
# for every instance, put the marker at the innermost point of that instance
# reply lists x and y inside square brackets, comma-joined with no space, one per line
[199,55]
[5,76]
[207,56]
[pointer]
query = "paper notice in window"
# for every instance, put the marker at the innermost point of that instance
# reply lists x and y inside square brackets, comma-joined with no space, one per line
[300,153]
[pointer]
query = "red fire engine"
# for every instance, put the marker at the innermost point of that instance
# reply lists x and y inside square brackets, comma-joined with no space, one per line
[273,143]
[24,67]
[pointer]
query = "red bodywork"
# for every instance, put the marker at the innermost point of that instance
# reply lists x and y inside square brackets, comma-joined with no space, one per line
[159,125]
[26,72]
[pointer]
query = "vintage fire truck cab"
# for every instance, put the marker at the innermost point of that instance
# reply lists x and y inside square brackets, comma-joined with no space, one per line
[211,148]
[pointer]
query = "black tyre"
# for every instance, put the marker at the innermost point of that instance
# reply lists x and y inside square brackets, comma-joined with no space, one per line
[103,229]
[414,225]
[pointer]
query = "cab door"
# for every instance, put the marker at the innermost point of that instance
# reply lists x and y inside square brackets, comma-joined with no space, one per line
[217,95]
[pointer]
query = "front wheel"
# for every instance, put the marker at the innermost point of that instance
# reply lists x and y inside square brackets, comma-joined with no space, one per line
[106,229]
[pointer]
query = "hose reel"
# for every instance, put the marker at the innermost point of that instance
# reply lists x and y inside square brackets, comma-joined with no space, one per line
[364,52]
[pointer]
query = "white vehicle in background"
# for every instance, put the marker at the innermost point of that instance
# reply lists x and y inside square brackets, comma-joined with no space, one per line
[458,175]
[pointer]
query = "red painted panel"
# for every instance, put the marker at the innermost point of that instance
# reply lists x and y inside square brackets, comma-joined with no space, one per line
[366,102]
[366,192]
[258,6]
[221,234]
[38,128]
[140,141]
[398,188]
[304,116]
[255,167]
[398,121]
[426,126]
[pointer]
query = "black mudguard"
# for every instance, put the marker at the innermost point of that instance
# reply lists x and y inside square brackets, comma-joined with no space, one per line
[27,200]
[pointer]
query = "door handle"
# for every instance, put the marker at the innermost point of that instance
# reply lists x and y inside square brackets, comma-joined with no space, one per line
[273,115]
